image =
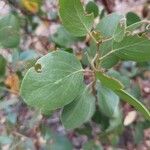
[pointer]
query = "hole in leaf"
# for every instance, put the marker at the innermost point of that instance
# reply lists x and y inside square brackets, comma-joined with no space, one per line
[38,68]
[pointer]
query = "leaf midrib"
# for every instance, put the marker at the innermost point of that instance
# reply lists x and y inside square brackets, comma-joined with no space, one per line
[80,18]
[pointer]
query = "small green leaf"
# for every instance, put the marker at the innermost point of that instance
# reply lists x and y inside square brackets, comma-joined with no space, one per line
[134,102]
[9,38]
[63,38]
[3,63]
[108,24]
[55,83]
[115,123]
[79,111]
[132,18]
[111,60]
[133,48]
[58,141]
[108,101]
[74,19]
[9,31]
[91,7]
[92,145]
[10,20]
[120,31]
[109,82]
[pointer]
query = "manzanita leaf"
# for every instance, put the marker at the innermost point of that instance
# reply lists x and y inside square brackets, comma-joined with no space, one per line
[134,102]
[120,31]
[79,111]
[133,48]
[91,7]
[54,82]
[132,18]
[108,24]
[74,19]
[108,101]
[10,20]
[109,82]
[9,31]
[9,38]
[117,87]
[63,38]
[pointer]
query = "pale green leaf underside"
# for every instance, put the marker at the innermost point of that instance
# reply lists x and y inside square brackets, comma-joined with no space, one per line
[79,111]
[74,19]
[56,84]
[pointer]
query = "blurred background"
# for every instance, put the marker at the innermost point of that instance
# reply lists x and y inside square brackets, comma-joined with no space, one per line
[36,31]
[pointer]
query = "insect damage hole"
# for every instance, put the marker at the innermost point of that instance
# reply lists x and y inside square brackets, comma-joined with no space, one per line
[38,68]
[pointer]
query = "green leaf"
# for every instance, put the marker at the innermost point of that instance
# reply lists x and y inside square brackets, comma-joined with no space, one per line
[63,38]
[9,31]
[59,142]
[115,123]
[133,48]
[74,19]
[108,24]
[10,20]
[79,111]
[92,145]
[91,7]
[120,31]
[109,82]
[108,101]
[132,18]
[53,82]
[9,38]
[111,60]
[134,102]
[122,78]
[138,134]
[3,64]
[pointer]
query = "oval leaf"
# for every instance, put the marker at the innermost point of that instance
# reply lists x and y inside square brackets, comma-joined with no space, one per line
[108,24]
[54,82]
[108,101]
[74,19]
[79,111]
[9,31]
[133,48]
[91,7]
